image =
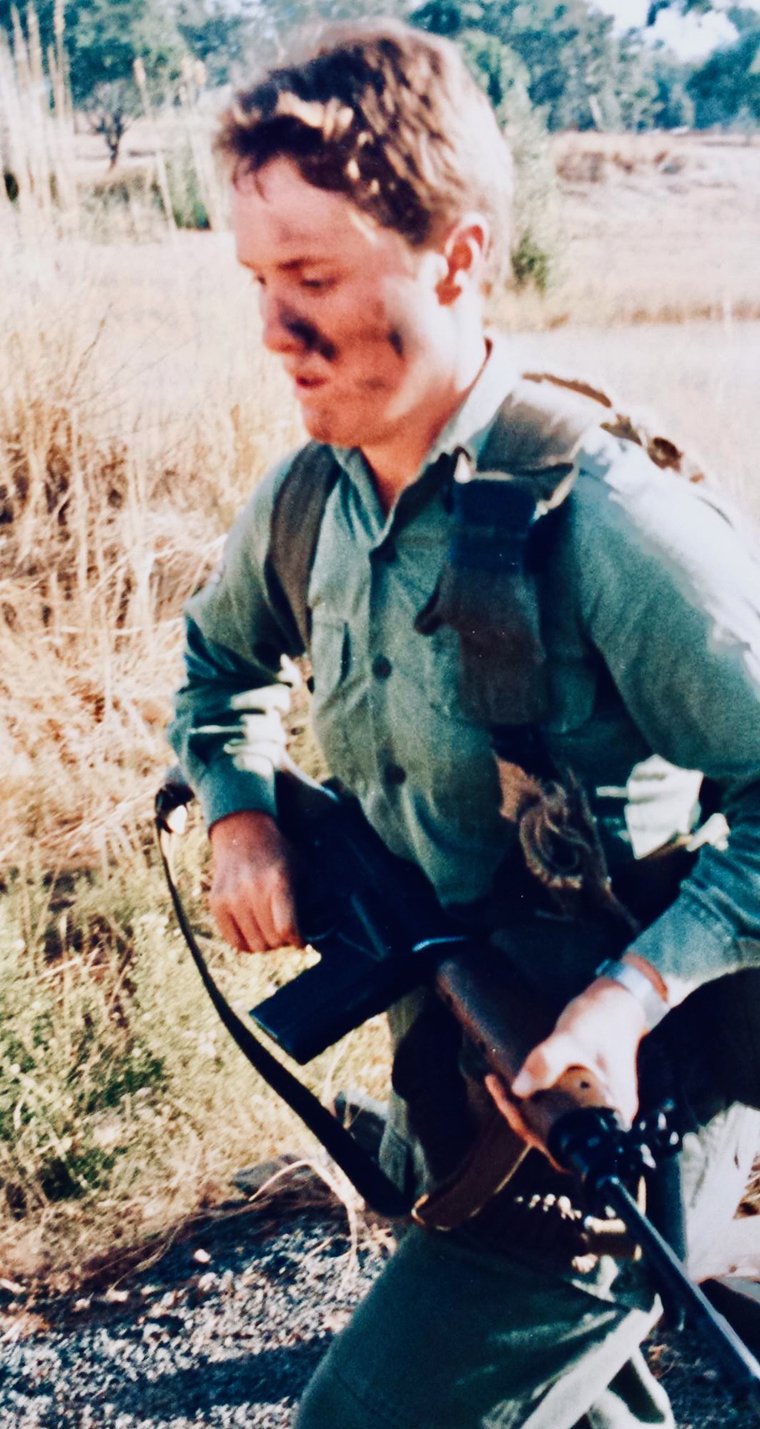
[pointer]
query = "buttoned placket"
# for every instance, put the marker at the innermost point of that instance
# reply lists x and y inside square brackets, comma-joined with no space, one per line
[383,555]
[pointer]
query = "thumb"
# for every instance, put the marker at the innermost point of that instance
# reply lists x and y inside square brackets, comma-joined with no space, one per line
[544,1066]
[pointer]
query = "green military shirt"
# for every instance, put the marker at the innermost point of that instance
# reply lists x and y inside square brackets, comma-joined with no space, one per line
[651,612]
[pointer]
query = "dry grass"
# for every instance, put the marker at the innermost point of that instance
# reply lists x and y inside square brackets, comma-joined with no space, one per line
[653,229]
[136,411]
[110,429]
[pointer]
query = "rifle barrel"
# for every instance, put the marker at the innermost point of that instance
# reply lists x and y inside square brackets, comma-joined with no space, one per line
[738,1360]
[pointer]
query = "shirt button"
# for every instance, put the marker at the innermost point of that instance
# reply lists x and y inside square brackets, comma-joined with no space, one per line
[394,774]
[381,667]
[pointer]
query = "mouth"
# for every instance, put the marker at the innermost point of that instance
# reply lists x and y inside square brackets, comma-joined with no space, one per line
[306,384]
[303,382]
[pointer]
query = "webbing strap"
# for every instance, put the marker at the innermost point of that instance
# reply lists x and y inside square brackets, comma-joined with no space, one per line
[296,518]
[536,429]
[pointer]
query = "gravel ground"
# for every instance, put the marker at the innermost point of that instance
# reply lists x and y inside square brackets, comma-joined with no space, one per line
[225,1329]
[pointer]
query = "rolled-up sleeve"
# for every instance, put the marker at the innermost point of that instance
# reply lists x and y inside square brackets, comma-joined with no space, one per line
[227,728]
[670,597]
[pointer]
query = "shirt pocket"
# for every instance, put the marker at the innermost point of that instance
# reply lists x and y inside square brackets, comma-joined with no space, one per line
[331,667]
[330,653]
[435,668]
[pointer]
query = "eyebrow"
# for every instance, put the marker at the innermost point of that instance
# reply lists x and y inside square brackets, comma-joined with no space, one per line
[293,264]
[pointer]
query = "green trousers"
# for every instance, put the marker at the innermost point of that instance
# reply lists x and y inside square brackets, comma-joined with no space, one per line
[459,1335]
[452,1337]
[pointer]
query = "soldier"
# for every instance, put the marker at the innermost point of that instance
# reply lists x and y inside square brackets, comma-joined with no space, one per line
[371,195]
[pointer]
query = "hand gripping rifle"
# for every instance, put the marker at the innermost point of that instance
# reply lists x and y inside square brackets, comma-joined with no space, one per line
[380,932]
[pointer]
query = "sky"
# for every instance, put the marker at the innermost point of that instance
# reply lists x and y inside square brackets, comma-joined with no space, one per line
[691,36]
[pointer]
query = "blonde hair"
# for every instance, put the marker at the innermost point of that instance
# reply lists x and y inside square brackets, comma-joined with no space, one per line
[389,116]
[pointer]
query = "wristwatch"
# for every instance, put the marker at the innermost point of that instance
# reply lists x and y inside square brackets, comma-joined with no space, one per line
[654,1006]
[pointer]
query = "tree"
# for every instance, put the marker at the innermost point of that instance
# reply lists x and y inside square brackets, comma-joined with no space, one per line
[218,36]
[103,39]
[45,16]
[110,110]
[743,19]
[673,105]
[741,16]
[684,7]
[726,87]
[635,87]
[577,67]
[275,22]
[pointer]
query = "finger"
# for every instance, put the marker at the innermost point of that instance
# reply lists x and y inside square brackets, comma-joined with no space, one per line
[284,920]
[252,928]
[232,932]
[511,1113]
[276,917]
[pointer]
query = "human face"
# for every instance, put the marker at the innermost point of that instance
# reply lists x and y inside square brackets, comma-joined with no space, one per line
[359,318]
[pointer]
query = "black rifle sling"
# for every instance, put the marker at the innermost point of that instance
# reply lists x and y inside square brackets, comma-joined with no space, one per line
[370,1181]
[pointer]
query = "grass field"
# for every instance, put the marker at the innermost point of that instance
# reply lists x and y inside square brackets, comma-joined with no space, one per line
[136,411]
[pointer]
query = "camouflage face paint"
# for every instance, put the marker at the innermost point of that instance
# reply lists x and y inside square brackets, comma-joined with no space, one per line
[310,338]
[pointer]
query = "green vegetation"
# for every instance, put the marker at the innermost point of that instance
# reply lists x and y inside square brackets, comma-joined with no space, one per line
[566,60]
[580,73]
[726,90]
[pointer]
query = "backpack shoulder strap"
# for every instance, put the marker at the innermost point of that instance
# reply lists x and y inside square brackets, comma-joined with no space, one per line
[538,427]
[297,512]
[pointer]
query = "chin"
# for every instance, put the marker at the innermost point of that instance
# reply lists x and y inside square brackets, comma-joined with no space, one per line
[334,428]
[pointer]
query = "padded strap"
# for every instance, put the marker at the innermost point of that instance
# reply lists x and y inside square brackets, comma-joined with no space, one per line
[536,428]
[297,513]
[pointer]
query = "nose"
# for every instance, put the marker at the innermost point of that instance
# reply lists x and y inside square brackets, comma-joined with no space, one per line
[278,322]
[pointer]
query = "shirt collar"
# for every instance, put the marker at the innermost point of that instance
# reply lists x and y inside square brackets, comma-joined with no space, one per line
[470,425]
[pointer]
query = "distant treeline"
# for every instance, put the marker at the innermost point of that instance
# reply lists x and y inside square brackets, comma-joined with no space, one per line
[565,60]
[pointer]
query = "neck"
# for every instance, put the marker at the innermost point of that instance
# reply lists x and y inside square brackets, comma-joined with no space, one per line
[396,460]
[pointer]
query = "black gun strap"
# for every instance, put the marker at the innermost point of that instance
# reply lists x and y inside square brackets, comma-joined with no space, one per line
[370,1181]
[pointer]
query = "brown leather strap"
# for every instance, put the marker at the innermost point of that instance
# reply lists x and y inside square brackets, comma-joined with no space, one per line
[486,1169]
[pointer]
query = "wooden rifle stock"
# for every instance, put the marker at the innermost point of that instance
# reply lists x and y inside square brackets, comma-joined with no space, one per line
[504,1022]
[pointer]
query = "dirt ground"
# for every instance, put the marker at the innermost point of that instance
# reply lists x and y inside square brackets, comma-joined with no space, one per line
[226,1328]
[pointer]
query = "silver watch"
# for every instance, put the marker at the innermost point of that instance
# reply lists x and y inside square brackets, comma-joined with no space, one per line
[654,1006]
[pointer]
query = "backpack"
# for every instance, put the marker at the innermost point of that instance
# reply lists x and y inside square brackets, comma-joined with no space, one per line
[525,473]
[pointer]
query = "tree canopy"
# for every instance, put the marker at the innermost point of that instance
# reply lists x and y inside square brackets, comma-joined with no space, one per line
[726,89]
[579,72]
[565,58]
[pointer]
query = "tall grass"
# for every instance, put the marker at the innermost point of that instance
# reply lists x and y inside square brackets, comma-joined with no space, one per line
[115,489]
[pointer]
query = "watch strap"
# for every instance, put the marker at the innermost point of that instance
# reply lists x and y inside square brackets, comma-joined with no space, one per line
[653,1004]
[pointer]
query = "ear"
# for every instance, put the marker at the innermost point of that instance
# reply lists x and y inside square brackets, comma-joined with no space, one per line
[464,249]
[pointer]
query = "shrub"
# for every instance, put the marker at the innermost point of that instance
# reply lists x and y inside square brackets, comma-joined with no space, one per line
[531,264]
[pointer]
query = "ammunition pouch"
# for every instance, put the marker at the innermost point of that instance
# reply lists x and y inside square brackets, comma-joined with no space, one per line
[490,571]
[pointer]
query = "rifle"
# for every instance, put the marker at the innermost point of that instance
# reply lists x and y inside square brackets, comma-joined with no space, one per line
[376,923]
